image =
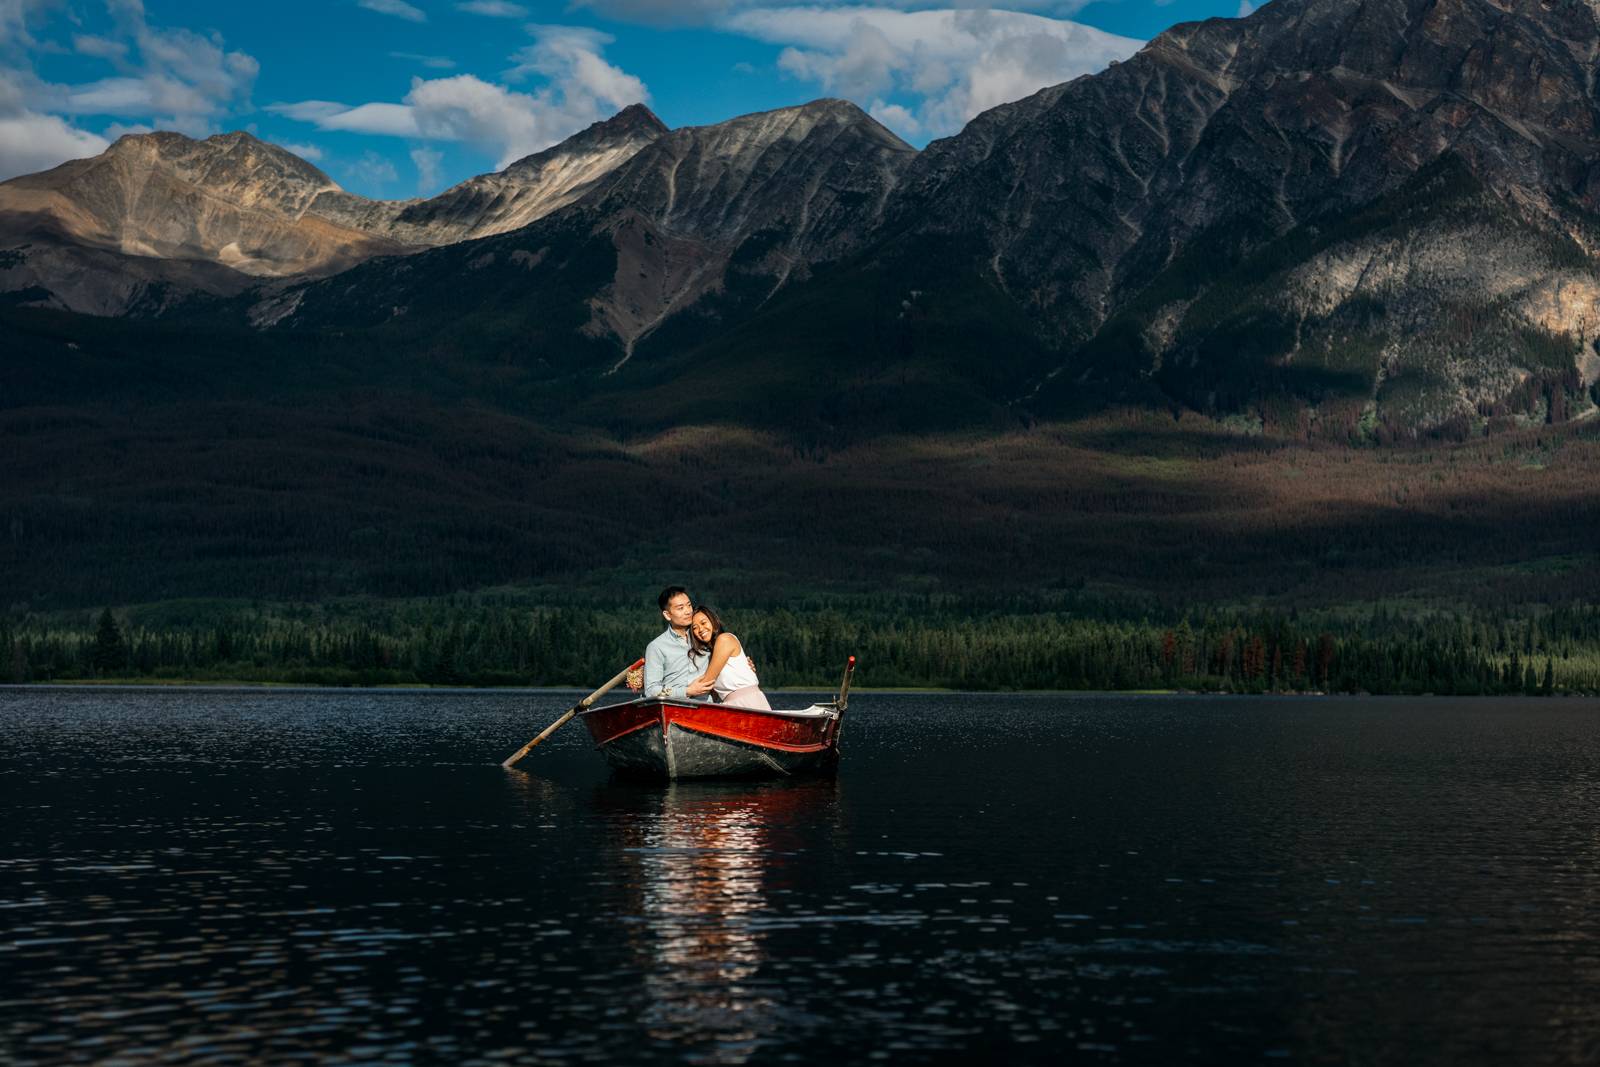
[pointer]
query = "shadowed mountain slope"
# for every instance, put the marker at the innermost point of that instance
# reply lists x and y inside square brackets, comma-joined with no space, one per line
[714,219]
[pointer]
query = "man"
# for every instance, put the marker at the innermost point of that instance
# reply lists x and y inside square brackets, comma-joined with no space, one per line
[667,670]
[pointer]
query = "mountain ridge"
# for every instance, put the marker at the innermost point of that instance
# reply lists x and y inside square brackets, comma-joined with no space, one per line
[1332,217]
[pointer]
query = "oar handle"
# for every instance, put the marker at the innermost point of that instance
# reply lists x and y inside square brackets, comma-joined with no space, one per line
[579,706]
[844,685]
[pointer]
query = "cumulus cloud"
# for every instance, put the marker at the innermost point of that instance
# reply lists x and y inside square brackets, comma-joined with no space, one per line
[498,9]
[398,8]
[947,66]
[31,142]
[578,87]
[569,56]
[896,117]
[173,78]
[183,79]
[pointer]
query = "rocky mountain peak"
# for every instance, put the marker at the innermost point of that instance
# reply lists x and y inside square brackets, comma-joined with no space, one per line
[629,129]
[236,167]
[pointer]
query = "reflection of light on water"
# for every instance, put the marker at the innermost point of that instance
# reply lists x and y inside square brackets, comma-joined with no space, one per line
[702,866]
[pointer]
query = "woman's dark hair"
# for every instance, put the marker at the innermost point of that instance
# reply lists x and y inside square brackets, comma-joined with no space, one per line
[698,648]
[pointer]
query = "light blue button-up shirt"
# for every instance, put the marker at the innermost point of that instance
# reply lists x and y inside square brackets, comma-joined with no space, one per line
[667,670]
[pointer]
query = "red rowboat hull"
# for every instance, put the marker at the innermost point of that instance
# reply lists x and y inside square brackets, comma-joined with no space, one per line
[700,739]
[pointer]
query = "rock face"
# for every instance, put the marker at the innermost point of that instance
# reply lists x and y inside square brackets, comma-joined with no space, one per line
[1299,200]
[524,192]
[230,200]
[746,205]
[160,214]
[709,219]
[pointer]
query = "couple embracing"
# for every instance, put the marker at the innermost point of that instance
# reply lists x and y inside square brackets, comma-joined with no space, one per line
[697,658]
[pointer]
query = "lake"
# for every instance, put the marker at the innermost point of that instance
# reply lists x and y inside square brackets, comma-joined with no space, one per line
[214,876]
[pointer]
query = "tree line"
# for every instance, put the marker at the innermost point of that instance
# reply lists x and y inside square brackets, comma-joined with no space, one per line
[490,641]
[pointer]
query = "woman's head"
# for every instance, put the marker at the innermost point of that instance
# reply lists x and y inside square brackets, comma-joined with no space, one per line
[704,628]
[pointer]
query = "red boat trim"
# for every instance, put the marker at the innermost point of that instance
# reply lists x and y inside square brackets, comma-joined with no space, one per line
[746,739]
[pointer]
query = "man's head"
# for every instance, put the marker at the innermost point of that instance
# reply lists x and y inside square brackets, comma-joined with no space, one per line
[676,606]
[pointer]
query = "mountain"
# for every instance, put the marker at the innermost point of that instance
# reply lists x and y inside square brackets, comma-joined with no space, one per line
[1342,218]
[1339,218]
[524,192]
[157,216]
[1355,220]
[1378,210]
[160,211]
[706,221]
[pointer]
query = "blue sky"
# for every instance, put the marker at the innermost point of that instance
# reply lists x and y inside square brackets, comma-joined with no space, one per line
[398,98]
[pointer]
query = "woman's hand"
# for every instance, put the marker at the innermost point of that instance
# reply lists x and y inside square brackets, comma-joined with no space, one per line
[700,686]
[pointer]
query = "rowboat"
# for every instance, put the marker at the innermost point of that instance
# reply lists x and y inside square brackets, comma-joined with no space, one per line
[666,737]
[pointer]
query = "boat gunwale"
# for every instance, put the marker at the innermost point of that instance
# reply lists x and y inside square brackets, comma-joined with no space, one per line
[824,710]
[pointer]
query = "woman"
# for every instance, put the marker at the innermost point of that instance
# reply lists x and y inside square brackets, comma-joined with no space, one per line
[733,680]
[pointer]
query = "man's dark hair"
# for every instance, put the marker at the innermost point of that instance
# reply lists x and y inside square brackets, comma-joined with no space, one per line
[668,593]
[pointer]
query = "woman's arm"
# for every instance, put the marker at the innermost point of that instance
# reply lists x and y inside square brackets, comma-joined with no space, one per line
[721,652]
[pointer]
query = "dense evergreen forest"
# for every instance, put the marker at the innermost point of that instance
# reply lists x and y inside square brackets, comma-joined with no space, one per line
[1068,643]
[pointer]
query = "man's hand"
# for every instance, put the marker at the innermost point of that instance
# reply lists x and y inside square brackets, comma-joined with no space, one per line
[636,679]
[699,687]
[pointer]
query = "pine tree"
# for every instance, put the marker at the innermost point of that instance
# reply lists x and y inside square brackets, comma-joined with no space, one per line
[110,651]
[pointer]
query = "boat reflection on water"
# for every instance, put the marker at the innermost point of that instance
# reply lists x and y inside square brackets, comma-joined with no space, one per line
[702,860]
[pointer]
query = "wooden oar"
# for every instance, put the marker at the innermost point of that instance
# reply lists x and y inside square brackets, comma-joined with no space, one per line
[579,706]
[843,700]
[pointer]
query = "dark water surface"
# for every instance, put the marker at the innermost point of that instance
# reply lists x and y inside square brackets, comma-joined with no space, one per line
[278,877]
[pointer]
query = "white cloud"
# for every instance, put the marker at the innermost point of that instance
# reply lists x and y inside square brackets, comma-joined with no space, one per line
[431,62]
[897,118]
[947,65]
[427,162]
[569,56]
[304,151]
[398,8]
[185,79]
[14,16]
[173,78]
[31,142]
[579,88]
[395,120]
[499,9]
[1246,9]
[103,47]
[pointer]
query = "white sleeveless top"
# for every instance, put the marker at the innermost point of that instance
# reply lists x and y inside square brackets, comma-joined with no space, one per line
[736,674]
